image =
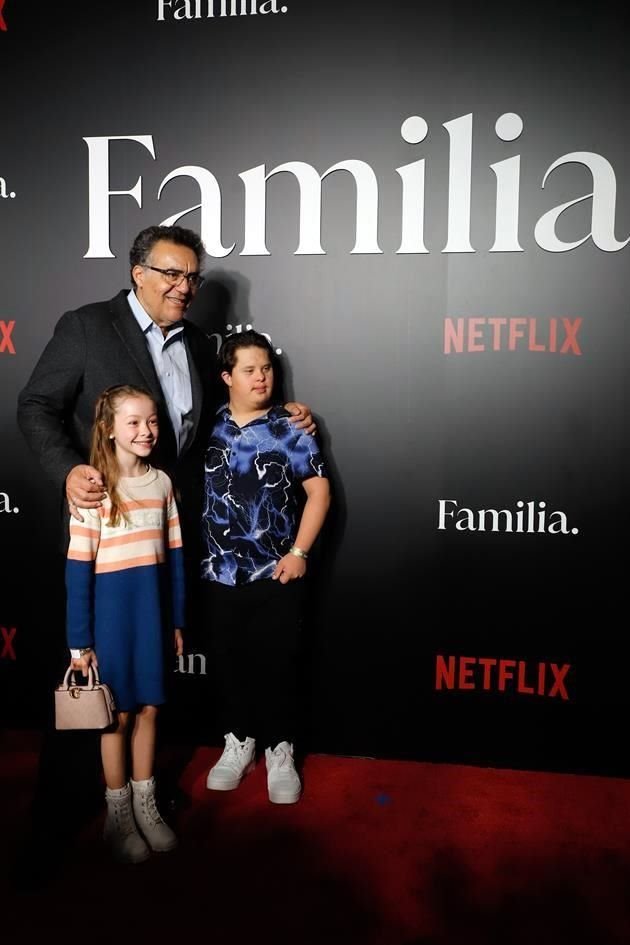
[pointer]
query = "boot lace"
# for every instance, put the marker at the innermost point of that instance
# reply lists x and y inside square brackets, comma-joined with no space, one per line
[149,808]
[123,817]
[232,756]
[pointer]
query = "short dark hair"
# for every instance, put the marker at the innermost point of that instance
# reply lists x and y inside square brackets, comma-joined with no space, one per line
[147,238]
[244,339]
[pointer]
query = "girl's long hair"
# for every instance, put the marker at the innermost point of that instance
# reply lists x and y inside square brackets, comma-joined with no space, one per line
[103,447]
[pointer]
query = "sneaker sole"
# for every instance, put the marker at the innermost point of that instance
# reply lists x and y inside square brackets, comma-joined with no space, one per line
[279,797]
[220,784]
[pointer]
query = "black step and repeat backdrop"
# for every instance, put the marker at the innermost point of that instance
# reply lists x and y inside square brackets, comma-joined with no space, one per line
[427,208]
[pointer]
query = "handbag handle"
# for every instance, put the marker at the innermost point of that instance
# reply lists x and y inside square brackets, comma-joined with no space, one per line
[92,677]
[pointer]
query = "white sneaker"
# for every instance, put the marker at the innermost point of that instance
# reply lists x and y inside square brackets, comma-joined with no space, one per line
[283,781]
[237,760]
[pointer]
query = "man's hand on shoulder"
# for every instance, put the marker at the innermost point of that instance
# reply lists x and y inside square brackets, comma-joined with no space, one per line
[302,417]
[84,489]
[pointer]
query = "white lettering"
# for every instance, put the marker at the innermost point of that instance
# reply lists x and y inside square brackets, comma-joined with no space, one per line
[99,192]
[210,207]
[459,184]
[503,520]
[413,177]
[604,196]
[310,184]
[5,504]
[187,665]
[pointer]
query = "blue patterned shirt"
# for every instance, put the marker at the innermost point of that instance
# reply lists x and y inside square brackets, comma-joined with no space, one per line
[253,496]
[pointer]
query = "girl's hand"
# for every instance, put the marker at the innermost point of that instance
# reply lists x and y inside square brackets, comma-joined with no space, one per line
[179,642]
[289,568]
[83,664]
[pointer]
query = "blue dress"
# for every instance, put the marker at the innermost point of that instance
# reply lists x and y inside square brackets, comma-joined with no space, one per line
[125,588]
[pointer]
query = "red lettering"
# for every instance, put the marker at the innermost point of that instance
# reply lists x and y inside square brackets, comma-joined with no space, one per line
[516,331]
[520,685]
[571,343]
[453,338]
[6,330]
[532,337]
[475,334]
[8,634]
[487,668]
[504,675]
[443,675]
[559,673]
[465,672]
[497,324]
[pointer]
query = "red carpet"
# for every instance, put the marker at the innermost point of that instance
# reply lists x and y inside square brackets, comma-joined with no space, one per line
[376,853]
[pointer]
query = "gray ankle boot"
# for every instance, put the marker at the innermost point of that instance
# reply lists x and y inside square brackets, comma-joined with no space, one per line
[120,832]
[158,835]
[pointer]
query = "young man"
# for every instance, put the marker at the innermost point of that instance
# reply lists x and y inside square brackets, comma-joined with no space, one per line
[257,532]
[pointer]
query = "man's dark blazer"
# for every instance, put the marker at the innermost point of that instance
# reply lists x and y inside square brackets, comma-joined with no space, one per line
[95,347]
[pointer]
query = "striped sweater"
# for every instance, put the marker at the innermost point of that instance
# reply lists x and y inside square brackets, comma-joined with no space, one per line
[103,560]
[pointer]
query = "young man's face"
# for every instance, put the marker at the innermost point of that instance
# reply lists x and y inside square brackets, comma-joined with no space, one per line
[251,380]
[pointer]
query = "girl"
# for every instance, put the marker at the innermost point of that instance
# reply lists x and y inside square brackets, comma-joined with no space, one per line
[124,574]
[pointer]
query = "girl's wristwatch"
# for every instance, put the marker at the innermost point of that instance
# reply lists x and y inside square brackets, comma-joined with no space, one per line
[77,654]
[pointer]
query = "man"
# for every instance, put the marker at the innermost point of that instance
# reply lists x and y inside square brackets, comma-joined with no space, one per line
[139,337]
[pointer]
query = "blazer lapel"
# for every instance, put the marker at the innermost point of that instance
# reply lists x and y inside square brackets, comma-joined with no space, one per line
[134,341]
[132,337]
[197,389]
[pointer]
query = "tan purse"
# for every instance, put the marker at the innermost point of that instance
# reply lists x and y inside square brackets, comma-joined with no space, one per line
[81,707]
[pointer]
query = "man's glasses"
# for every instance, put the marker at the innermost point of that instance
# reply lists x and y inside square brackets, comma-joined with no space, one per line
[175,276]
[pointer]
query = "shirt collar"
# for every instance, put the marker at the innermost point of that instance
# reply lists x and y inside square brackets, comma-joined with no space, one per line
[144,320]
[275,411]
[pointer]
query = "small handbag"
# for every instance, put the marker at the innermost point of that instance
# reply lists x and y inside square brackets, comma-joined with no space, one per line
[83,707]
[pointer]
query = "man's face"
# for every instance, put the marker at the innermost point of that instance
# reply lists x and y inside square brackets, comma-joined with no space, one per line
[251,380]
[166,303]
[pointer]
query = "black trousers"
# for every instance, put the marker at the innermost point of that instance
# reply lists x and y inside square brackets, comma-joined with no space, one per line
[254,632]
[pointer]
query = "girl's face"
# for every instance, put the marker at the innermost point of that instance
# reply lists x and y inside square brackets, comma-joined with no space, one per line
[135,429]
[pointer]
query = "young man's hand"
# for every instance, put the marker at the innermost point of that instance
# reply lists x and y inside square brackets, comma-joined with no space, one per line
[179,642]
[289,568]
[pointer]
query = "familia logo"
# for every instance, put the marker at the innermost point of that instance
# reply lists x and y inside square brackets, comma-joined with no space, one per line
[208,9]
[501,675]
[526,519]
[602,198]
